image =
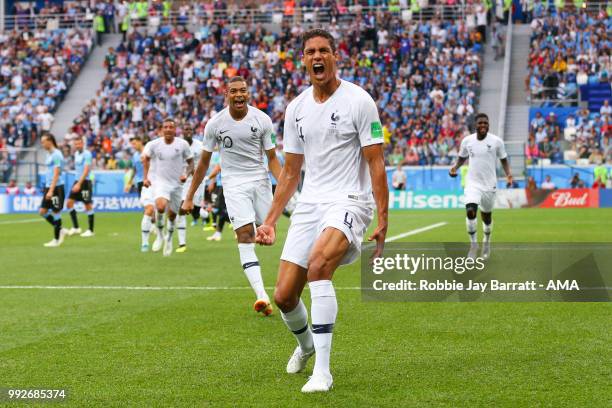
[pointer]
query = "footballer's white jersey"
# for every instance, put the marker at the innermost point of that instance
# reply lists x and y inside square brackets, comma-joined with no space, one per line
[483,155]
[241,144]
[331,135]
[196,151]
[167,161]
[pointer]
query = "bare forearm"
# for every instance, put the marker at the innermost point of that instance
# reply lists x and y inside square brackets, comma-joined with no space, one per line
[506,167]
[275,168]
[460,162]
[84,175]
[286,187]
[145,165]
[56,172]
[380,190]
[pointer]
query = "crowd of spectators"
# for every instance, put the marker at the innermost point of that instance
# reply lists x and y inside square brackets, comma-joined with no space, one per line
[568,49]
[36,70]
[424,78]
[583,135]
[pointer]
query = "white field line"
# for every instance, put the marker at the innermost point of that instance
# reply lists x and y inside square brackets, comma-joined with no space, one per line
[415,231]
[27,221]
[195,288]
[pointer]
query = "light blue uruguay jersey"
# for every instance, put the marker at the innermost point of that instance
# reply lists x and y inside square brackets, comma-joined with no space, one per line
[54,159]
[82,159]
[138,167]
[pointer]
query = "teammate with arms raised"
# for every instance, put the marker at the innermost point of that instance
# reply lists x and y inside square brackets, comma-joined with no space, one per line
[334,127]
[483,149]
[243,134]
[181,225]
[53,194]
[166,157]
[82,189]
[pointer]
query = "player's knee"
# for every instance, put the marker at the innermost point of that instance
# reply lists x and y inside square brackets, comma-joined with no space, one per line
[69,204]
[319,268]
[486,217]
[161,208]
[42,212]
[471,210]
[285,300]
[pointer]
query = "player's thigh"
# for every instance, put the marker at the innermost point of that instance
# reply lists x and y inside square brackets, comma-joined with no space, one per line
[289,285]
[302,234]
[239,205]
[327,252]
[57,199]
[352,220]
[146,197]
[262,200]
[472,196]
[487,201]
[174,203]
[161,195]
[86,192]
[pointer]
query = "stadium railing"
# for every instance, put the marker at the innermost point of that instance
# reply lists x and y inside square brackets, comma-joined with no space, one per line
[195,17]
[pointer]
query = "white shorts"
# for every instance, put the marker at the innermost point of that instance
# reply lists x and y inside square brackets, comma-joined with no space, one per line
[484,199]
[146,196]
[170,193]
[197,197]
[310,219]
[248,203]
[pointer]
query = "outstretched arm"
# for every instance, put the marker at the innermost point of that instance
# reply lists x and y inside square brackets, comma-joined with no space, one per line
[376,161]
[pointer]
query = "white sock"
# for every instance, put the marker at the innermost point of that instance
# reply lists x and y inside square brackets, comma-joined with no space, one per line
[181,226]
[145,228]
[323,311]
[159,223]
[170,229]
[250,264]
[487,229]
[297,321]
[472,229]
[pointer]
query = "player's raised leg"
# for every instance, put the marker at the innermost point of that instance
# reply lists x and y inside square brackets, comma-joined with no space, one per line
[252,269]
[287,296]
[146,225]
[160,210]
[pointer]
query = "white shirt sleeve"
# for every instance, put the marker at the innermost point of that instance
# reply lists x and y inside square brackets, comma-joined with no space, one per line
[209,141]
[463,151]
[501,150]
[291,143]
[268,136]
[148,150]
[367,122]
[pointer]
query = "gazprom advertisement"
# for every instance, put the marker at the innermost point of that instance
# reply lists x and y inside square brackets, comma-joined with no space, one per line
[15,204]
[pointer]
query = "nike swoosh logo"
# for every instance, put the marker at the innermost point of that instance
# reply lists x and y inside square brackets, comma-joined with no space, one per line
[298,119]
[223,131]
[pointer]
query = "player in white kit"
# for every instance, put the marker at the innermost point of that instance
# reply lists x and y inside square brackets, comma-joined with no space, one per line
[181,224]
[243,134]
[483,149]
[166,157]
[334,127]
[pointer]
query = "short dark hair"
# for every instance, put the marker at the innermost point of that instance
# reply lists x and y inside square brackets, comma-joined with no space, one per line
[236,78]
[50,137]
[480,115]
[135,138]
[318,32]
[169,119]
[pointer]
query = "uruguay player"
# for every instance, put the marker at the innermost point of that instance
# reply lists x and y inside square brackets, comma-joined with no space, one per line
[82,189]
[53,195]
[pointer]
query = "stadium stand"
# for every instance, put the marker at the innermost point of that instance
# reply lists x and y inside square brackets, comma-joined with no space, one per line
[569,64]
[424,78]
[36,69]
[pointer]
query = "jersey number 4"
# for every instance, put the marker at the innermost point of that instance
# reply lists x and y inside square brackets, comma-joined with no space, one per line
[348,220]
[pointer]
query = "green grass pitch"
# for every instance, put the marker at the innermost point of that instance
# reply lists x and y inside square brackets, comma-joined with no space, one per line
[179,347]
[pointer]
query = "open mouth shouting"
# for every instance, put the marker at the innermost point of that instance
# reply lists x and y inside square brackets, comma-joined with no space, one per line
[318,69]
[239,103]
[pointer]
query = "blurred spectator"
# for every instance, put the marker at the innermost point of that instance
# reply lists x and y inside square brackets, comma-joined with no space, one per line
[531,184]
[398,179]
[12,188]
[576,181]
[598,183]
[547,184]
[532,152]
[606,109]
[29,189]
